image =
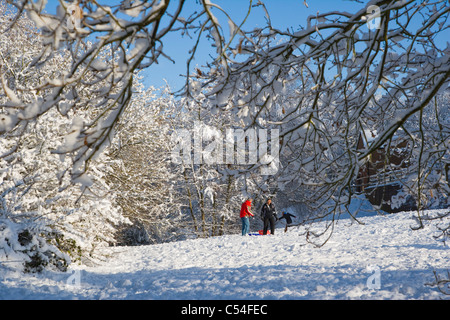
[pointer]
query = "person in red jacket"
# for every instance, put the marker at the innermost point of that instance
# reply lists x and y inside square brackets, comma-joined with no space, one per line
[245,214]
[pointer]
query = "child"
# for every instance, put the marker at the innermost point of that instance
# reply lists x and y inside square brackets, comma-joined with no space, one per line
[287,216]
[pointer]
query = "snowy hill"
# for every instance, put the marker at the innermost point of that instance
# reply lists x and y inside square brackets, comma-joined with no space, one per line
[383,259]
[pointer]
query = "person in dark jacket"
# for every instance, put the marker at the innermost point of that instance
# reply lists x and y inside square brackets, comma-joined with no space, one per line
[287,216]
[269,215]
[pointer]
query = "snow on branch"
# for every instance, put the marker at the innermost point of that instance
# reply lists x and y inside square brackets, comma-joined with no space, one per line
[104,46]
[342,75]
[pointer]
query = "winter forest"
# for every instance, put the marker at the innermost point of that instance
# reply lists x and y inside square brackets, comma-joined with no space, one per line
[343,106]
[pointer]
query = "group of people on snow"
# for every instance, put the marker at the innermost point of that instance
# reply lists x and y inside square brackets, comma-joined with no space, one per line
[268,214]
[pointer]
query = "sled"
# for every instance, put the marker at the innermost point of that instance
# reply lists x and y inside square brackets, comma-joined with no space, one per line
[260,233]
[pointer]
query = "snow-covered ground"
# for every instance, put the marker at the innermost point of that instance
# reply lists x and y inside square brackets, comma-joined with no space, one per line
[383,259]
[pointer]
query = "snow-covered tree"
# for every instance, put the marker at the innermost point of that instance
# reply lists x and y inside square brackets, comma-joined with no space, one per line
[46,219]
[209,189]
[379,69]
[141,175]
[322,86]
[72,89]
[131,32]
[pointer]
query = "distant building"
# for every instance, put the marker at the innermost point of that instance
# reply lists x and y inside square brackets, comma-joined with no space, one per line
[379,178]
